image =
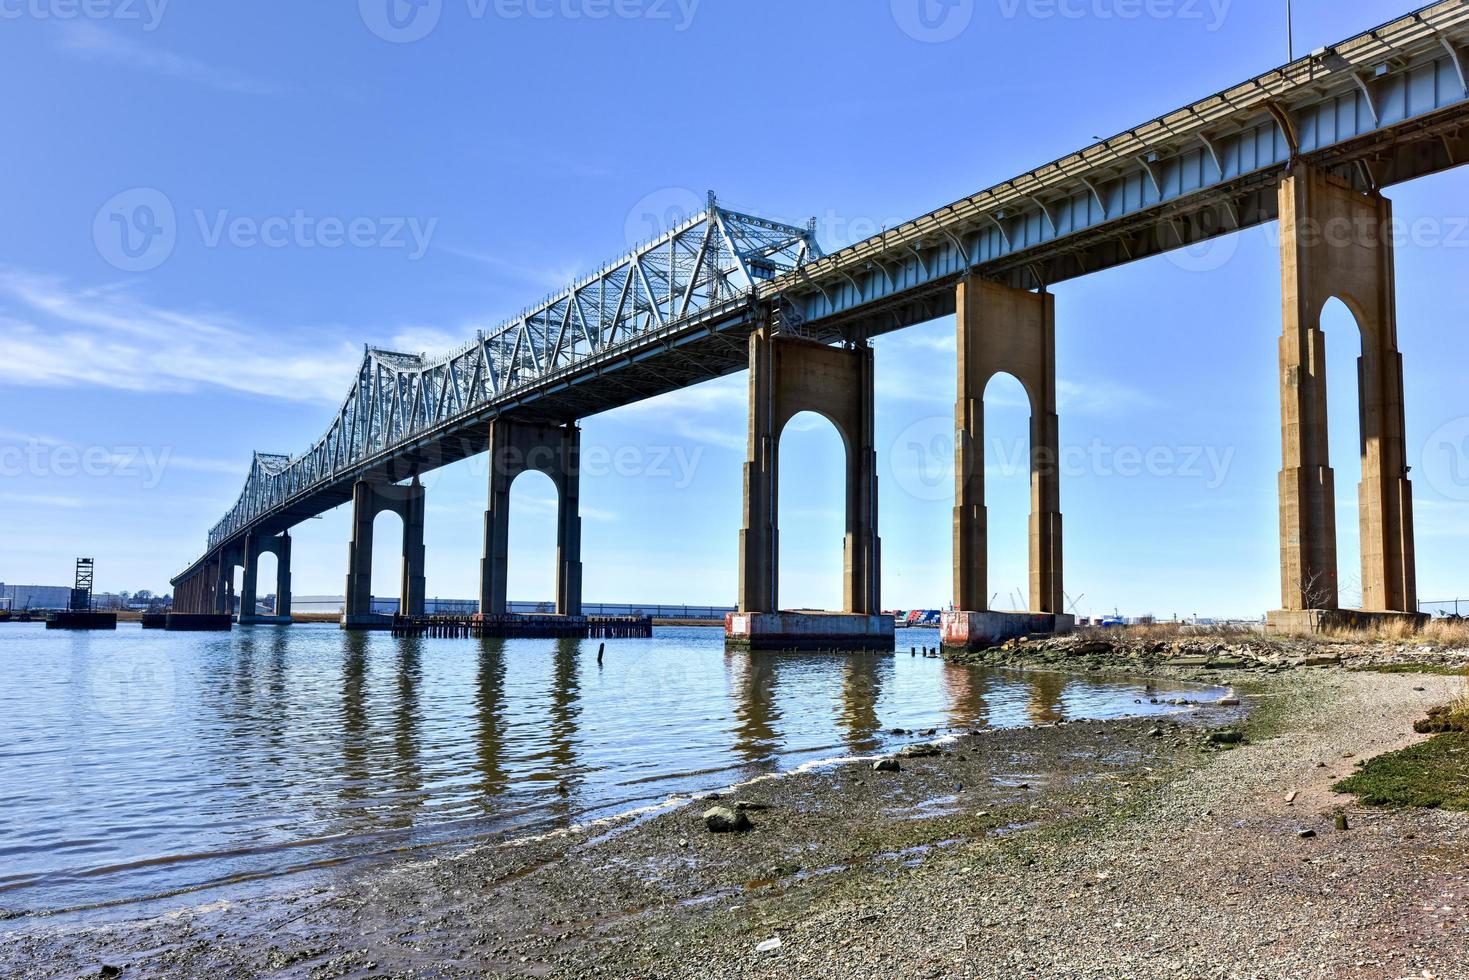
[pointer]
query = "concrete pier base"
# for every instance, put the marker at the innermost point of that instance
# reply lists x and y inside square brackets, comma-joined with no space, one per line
[199,622]
[979,630]
[809,631]
[153,621]
[366,621]
[82,621]
[264,620]
[1309,621]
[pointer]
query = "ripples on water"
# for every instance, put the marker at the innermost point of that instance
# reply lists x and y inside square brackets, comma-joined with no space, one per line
[138,764]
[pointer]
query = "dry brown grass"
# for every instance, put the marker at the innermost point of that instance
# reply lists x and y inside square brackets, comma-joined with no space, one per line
[1459,711]
[1449,632]
[1443,632]
[1168,632]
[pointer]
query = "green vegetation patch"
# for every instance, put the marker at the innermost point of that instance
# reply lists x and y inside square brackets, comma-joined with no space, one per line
[1434,773]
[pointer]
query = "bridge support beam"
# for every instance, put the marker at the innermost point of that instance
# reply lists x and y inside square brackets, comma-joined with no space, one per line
[555,450]
[368,500]
[1010,331]
[230,558]
[255,546]
[788,376]
[1336,243]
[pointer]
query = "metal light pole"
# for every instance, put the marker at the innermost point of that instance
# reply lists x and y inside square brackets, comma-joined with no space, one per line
[1290,32]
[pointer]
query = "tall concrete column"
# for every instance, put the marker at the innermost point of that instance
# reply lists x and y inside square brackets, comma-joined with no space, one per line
[568,525]
[224,589]
[359,552]
[759,537]
[248,580]
[788,376]
[283,576]
[554,450]
[412,593]
[1011,331]
[1336,242]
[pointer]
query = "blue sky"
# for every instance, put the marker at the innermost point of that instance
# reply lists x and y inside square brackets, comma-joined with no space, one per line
[331,187]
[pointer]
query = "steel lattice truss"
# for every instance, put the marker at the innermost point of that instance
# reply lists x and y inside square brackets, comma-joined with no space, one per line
[713,259]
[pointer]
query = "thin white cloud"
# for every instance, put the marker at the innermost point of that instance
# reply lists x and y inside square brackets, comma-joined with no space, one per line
[1098,397]
[10,435]
[56,335]
[93,43]
[428,340]
[43,500]
[546,506]
[546,278]
[712,413]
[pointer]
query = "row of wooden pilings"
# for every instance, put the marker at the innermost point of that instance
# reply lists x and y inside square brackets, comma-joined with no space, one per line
[511,626]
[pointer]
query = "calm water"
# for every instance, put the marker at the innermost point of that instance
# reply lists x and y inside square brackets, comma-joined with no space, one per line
[137,764]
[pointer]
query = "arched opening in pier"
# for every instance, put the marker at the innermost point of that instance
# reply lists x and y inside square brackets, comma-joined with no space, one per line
[387,562]
[1007,412]
[812,511]
[531,565]
[265,569]
[1344,437]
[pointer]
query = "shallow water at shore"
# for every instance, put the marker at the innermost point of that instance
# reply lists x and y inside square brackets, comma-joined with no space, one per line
[137,764]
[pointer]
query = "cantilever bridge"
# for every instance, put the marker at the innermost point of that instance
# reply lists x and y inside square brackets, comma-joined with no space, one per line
[1311,144]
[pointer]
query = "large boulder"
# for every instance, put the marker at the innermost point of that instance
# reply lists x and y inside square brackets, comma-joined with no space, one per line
[723,820]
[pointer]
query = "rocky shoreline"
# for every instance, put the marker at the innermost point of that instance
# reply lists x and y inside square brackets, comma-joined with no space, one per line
[1083,849]
[1208,654]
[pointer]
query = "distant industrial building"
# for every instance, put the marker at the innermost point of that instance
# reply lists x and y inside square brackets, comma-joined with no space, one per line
[468,607]
[36,596]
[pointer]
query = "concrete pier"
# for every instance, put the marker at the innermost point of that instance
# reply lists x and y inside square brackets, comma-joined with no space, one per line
[980,630]
[199,622]
[1337,243]
[1002,330]
[788,631]
[368,500]
[789,375]
[82,620]
[555,450]
[255,546]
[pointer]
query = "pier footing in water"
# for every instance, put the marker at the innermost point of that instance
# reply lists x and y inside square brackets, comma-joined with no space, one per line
[978,630]
[82,621]
[809,631]
[199,622]
[264,620]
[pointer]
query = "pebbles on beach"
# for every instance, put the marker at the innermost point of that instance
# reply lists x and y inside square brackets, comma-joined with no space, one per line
[1103,869]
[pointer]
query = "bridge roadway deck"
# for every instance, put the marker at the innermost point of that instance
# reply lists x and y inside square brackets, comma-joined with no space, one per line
[1385,107]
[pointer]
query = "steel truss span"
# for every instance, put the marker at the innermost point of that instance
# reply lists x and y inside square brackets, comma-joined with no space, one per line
[705,266]
[1386,106]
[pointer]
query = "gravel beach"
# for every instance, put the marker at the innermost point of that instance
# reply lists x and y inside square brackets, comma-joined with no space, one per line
[1081,849]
